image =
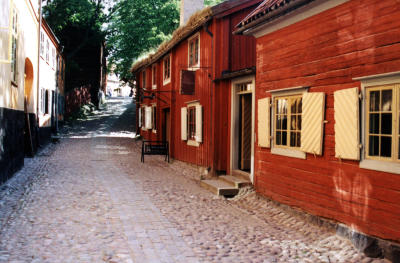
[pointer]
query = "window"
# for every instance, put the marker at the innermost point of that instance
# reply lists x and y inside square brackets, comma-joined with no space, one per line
[47,50]
[143,121]
[288,121]
[41,44]
[53,56]
[46,102]
[382,133]
[144,79]
[192,123]
[14,57]
[194,51]
[154,76]
[167,69]
[154,118]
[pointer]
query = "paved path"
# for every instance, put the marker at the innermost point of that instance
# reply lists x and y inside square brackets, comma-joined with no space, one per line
[89,199]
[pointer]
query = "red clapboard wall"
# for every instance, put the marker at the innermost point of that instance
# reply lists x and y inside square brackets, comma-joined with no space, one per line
[325,52]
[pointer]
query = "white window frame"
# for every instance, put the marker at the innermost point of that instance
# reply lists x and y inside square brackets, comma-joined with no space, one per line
[42,44]
[167,80]
[196,66]
[287,151]
[190,141]
[154,117]
[47,51]
[154,76]
[366,82]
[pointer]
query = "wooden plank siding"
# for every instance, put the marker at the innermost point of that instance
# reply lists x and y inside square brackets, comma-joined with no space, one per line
[220,52]
[325,52]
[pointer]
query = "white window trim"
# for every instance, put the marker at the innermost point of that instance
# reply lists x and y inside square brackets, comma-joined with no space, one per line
[278,150]
[154,127]
[143,108]
[368,81]
[168,80]
[153,85]
[196,66]
[191,142]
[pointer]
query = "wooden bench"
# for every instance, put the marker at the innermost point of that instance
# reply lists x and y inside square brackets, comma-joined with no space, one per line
[155,148]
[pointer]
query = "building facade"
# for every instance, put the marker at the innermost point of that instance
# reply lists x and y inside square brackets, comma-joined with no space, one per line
[186,89]
[327,92]
[20,98]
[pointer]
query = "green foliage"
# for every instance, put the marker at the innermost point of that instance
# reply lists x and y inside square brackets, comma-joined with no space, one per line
[137,26]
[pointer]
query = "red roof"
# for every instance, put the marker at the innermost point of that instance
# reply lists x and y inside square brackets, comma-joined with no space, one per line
[264,8]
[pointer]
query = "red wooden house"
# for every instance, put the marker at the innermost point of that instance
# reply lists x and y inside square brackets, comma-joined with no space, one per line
[328,110]
[197,88]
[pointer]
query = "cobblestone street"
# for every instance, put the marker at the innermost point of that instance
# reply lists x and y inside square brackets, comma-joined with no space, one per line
[88,198]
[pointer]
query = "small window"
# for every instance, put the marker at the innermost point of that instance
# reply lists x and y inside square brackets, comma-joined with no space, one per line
[154,118]
[192,123]
[14,49]
[47,50]
[41,44]
[46,102]
[194,51]
[167,69]
[288,121]
[143,117]
[382,133]
[154,76]
[144,79]
[53,56]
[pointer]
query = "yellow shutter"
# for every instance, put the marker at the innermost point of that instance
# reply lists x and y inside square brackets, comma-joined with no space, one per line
[312,122]
[199,123]
[264,139]
[347,124]
[184,124]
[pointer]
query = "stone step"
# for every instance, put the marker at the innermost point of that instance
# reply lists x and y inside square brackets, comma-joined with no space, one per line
[241,174]
[219,187]
[237,182]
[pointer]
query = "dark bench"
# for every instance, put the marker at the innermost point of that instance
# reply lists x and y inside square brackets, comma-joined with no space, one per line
[155,148]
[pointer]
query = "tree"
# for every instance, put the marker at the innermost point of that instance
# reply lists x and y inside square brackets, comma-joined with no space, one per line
[79,26]
[136,27]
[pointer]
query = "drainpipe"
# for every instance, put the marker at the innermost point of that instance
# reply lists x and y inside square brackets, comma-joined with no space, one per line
[212,97]
[38,73]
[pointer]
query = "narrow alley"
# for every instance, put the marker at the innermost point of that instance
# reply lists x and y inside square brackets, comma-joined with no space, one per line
[88,198]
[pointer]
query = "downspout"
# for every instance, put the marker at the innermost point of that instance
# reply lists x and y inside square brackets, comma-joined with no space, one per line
[38,73]
[211,93]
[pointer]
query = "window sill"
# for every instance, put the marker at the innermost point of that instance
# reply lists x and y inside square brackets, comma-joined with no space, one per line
[167,81]
[154,87]
[289,153]
[154,131]
[389,167]
[194,67]
[193,143]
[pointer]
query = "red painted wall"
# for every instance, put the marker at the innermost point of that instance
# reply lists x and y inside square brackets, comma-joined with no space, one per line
[326,52]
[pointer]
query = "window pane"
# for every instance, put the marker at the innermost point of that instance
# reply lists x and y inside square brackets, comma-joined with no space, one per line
[298,139]
[374,101]
[278,122]
[293,107]
[293,124]
[292,139]
[374,123]
[284,122]
[299,122]
[282,107]
[300,106]
[386,100]
[284,138]
[373,146]
[386,146]
[278,138]
[386,124]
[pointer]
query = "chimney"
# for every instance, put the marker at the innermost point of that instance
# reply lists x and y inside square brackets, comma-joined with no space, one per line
[188,8]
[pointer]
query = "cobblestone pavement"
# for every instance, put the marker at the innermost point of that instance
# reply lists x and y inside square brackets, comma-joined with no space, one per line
[90,199]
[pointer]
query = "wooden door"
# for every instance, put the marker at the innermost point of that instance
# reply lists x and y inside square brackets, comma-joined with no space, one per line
[245,132]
